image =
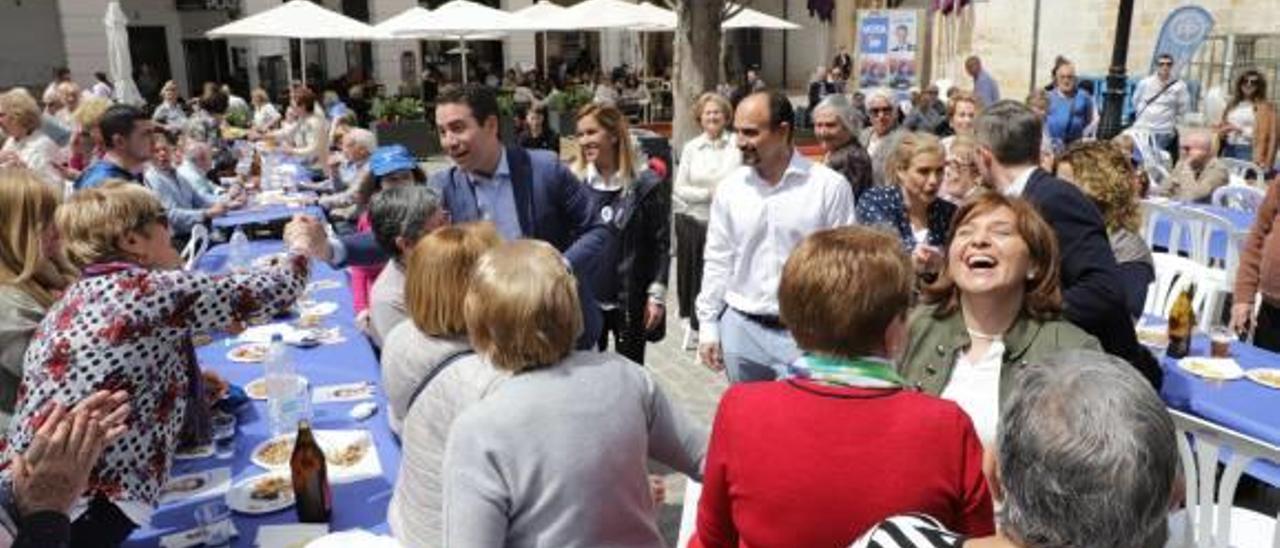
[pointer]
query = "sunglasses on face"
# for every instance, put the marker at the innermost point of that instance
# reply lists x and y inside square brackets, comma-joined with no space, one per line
[1251,81]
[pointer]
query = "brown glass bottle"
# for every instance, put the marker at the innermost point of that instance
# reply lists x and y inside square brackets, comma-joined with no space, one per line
[310,478]
[1182,319]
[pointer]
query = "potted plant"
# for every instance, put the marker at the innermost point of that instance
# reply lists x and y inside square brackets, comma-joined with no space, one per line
[562,107]
[402,120]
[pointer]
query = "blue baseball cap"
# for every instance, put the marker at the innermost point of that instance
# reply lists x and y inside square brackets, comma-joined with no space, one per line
[390,159]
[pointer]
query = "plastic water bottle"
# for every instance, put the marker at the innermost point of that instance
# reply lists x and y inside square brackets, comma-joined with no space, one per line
[286,390]
[238,251]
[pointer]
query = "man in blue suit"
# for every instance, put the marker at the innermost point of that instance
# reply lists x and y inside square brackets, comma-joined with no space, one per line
[1008,135]
[525,193]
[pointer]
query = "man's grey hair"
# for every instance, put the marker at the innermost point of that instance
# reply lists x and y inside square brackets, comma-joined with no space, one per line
[363,138]
[1087,455]
[1012,132]
[195,148]
[837,104]
[402,212]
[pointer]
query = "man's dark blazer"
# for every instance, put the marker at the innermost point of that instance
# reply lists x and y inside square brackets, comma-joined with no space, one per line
[1092,288]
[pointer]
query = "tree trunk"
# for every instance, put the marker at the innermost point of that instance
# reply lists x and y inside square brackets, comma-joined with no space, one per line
[697,62]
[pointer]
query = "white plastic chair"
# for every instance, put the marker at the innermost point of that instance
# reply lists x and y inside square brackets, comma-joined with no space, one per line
[689,512]
[1209,521]
[1172,273]
[1240,197]
[196,246]
[1153,211]
[1246,171]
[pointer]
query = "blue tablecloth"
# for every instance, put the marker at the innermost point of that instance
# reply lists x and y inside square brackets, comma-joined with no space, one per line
[264,215]
[1241,405]
[1217,241]
[362,504]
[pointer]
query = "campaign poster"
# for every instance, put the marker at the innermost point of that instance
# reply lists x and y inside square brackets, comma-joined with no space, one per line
[888,48]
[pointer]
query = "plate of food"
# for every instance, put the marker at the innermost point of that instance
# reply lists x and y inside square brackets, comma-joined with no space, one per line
[201,339]
[270,260]
[257,388]
[249,353]
[195,452]
[1218,369]
[1266,376]
[273,453]
[350,454]
[261,494]
[318,308]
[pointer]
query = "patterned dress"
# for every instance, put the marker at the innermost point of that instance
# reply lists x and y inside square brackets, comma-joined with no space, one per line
[124,327]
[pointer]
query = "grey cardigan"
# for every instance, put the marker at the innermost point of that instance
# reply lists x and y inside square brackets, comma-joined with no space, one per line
[19,316]
[556,456]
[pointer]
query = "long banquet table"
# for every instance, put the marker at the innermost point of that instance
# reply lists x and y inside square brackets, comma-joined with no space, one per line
[1240,405]
[362,504]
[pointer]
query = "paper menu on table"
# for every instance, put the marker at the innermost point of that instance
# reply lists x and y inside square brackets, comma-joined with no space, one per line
[355,391]
[295,535]
[196,485]
[194,536]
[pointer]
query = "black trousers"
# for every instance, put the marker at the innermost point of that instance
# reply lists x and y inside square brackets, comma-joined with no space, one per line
[102,525]
[628,340]
[691,237]
[1267,333]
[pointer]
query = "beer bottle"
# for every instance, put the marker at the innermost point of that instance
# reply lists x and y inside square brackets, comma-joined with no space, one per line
[310,478]
[1182,319]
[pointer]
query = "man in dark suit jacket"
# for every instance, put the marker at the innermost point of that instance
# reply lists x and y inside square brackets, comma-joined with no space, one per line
[525,193]
[1008,135]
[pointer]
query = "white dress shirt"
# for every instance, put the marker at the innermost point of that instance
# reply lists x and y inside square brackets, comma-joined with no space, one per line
[1158,112]
[40,155]
[752,230]
[1019,184]
[703,164]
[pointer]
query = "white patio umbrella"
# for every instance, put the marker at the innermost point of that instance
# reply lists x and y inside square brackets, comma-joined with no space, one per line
[458,19]
[661,18]
[299,19]
[752,19]
[608,14]
[120,65]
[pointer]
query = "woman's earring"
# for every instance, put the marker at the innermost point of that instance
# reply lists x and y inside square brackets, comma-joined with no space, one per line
[1031,275]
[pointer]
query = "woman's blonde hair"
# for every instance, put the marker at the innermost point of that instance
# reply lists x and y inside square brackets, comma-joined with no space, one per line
[910,145]
[27,209]
[438,272]
[522,306]
[963,97]
[94,220]
[865,265]
[1105,175]
[21,106]
[615,123]
[90,112]
[712,97]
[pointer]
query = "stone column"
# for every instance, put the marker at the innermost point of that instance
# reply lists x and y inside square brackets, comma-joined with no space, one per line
[84,36]
[387,53]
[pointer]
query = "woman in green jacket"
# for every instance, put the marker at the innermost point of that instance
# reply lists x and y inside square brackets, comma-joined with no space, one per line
[995,307]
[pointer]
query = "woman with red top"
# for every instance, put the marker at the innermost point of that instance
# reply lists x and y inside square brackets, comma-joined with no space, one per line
[390,166]
[127,325]
[818,459]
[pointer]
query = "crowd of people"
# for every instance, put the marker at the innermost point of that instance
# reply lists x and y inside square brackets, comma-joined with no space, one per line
[963,270]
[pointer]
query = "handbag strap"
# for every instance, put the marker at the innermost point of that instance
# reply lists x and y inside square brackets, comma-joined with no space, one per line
[422,385]
[1148,102]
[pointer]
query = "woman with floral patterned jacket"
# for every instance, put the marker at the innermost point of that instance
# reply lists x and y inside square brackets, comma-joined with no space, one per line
[127,325]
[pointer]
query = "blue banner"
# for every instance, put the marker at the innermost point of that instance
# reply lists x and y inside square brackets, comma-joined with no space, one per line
[1184,30]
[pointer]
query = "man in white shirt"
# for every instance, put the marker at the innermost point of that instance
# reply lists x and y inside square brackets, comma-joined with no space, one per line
[1159,101]
[760,212]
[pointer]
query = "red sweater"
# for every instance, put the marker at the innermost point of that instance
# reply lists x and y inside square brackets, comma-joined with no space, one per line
[798,463]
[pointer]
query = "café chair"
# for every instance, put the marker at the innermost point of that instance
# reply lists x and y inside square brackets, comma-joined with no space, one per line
[1214,522]
[1240,197]
[196,246]
[1245,172]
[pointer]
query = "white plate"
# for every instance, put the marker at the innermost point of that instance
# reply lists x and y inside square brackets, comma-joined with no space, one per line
[1218,369]
[270,260]
[193,453]
[331,441]
[1257,375]
[321,285]
[249,353]
[257,388]
[240,497]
